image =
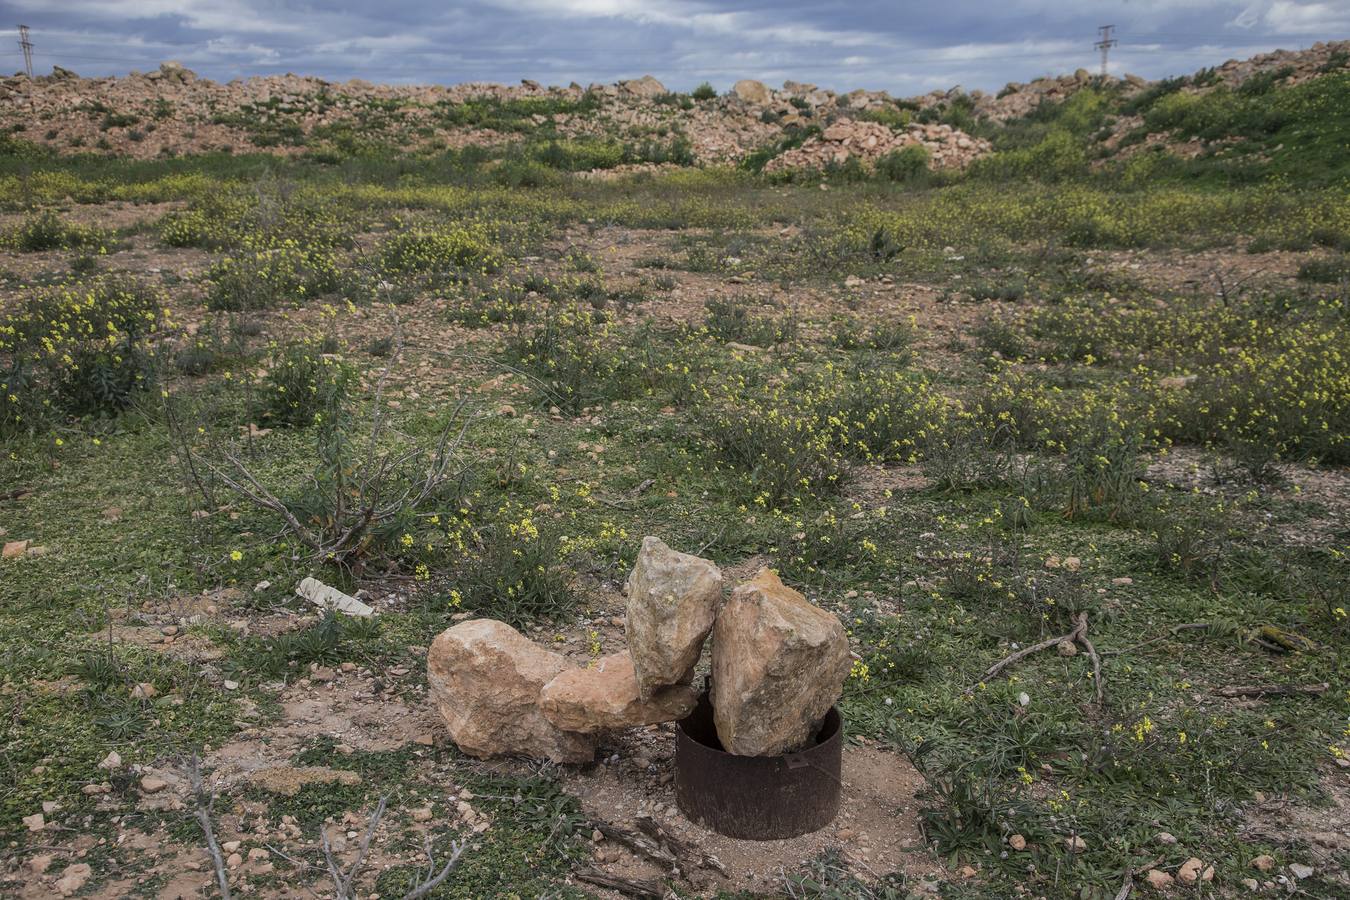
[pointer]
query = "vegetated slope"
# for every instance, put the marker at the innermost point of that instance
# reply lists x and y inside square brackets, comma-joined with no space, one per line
[1278,112]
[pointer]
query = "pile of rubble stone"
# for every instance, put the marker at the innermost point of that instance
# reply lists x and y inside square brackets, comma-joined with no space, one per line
[778,665]
[947,147]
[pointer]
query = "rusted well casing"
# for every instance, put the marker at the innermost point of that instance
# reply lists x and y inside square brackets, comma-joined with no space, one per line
[757,798]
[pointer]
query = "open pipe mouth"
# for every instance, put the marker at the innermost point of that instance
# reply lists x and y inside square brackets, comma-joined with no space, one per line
[758,798]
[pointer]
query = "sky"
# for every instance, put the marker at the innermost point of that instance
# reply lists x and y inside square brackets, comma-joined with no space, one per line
[904,47]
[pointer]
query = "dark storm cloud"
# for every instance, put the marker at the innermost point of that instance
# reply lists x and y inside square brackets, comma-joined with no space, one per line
[900,46]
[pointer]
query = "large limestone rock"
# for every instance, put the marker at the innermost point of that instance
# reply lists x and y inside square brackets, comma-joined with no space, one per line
[605,696]
[779,664]
[486,678]
[751,91]
[646,86]
[672,601]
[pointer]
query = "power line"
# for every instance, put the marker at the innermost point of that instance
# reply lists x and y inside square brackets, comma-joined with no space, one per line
[1105,43]
[27,46]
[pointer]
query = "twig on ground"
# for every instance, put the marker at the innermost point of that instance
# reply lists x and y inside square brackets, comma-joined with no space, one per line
[638,843]
[1127,887]
[1171,632]
[205,800]
[1078,636]
[1272,690]
[643,890]
[431,882]
[678,848]
[342,882]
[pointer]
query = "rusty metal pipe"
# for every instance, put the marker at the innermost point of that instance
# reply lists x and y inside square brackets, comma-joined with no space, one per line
[757,798]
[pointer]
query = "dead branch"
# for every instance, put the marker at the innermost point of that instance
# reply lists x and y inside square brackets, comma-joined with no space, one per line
[1127,887]
[1096,663]
[643,890]
[638,843]
[205,801]
[1171,632]
[1079,627]
[431,882]
[1272,690]
[1078,636]
[688,854]
[342,882]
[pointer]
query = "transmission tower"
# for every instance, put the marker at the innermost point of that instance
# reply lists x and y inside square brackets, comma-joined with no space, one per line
[1105,43]
[27,46]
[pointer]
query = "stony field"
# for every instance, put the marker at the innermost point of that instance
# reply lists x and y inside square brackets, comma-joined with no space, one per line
[1090,406]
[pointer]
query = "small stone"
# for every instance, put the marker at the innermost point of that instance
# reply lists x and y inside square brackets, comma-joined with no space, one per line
[1075,844]
[1017,842]
[1067,648]
[231,685]
[597,835]
[1189,873]
[35,822]
[111,761]
[234,861]
[1073,563]
[144,691]
[1123,581]
[231,846]
[258,854]
[1166,838]
[846,834]
[1251,884]
[153,784]
[322,673]
[1264,862]
[966,872]
[73,878]
[421,814]
[40,863]
[14,549]
[1301,871]
[1158,879]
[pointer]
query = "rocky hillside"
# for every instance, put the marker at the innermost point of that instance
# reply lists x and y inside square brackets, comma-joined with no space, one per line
[639,122]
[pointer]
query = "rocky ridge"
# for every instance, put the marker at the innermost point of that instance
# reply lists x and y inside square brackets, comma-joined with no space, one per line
[171,111]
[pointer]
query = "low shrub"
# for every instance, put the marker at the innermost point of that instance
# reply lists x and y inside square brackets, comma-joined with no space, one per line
[78,349]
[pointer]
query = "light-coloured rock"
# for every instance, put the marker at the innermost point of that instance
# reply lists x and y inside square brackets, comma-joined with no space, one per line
[779,664]
[752,91]
[73,878]
[672,602]
[1265,862]
[1189,872]
[605,696]
[1017,842]
[1075,844]
[646,86]
[486,679]
[35,822]
[1158,879]
[1301,871]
